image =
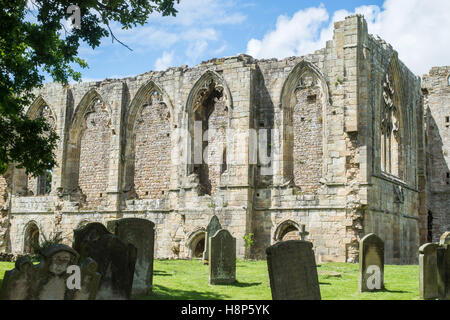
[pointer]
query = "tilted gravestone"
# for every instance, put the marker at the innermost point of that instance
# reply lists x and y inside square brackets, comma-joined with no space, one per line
[293,271]
[443,262]
[371,263]
[116,260]
[428,283]
[222,258]
[211,229]
[49,279]
[141,234]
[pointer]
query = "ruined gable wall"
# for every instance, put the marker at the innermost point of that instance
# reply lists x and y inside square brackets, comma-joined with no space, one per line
[324,210]
[393,211]
[437,96]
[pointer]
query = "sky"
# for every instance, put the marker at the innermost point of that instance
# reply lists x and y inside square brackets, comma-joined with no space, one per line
[204,29]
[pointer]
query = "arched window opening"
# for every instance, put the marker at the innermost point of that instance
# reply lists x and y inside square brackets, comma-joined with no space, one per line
[36,185]
[208,125]
[88,156]
[151,145]
[304,101]
[390,130]
[31,239]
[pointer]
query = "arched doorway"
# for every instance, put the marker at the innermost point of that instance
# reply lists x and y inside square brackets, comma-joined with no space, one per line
[197,244]
[287,230]
[31,238]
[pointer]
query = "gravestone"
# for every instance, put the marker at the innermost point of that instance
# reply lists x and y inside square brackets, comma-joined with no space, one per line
[18,282]
[49,279]
[293,271]
[371,263]
[211,229]
[222,258]
[116,260]
[428,279]
[90,280]
[443,262]
[141,234]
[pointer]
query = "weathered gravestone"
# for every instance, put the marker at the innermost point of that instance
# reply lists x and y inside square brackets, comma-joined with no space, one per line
[141,234]
[49,279]
[116,260]
[371,263]
[428,283]
[222,258]
[211,229]
[18,283]
[443,262]
[293,271]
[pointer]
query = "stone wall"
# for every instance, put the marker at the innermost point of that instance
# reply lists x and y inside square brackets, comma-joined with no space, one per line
[436,90]
[127,150]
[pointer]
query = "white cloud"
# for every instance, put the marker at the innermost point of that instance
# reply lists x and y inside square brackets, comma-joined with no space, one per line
[417,29]
[294,36]
[165,61]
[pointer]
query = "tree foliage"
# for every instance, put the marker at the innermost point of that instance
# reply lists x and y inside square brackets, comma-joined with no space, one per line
[35,41]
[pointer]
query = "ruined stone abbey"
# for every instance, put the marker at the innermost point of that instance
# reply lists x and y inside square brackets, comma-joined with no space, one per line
[348,142]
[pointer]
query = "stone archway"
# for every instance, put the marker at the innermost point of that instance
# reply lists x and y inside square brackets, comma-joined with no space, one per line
[196,244]
[31,239]
[287,230]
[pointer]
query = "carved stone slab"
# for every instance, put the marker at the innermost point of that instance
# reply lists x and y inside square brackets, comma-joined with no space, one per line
[116,260]
[141,234]
[371,263]
[222,258]
[293,271]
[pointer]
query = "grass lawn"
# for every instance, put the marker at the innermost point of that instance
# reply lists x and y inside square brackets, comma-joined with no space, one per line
[188,280]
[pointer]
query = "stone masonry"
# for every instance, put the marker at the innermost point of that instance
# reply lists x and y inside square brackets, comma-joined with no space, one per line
[436,93]
[341,147]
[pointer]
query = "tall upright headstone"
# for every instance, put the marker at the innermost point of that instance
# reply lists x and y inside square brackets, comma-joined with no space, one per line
[116,260]
[371,263]
[222,258]
[293,271]
[428,278]
[443,262]
[213,226]
[141,234]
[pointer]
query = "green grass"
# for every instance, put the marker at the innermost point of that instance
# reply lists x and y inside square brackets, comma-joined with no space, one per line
[188,280]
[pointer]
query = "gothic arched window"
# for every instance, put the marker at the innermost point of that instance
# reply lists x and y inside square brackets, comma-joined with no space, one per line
[390,130]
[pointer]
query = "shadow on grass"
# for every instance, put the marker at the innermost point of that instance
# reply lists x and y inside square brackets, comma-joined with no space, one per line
[245,285]
[393,291]
[324,283]
[162,273]
[164,293]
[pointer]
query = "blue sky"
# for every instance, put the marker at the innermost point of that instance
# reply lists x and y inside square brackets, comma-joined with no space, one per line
[204,29]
